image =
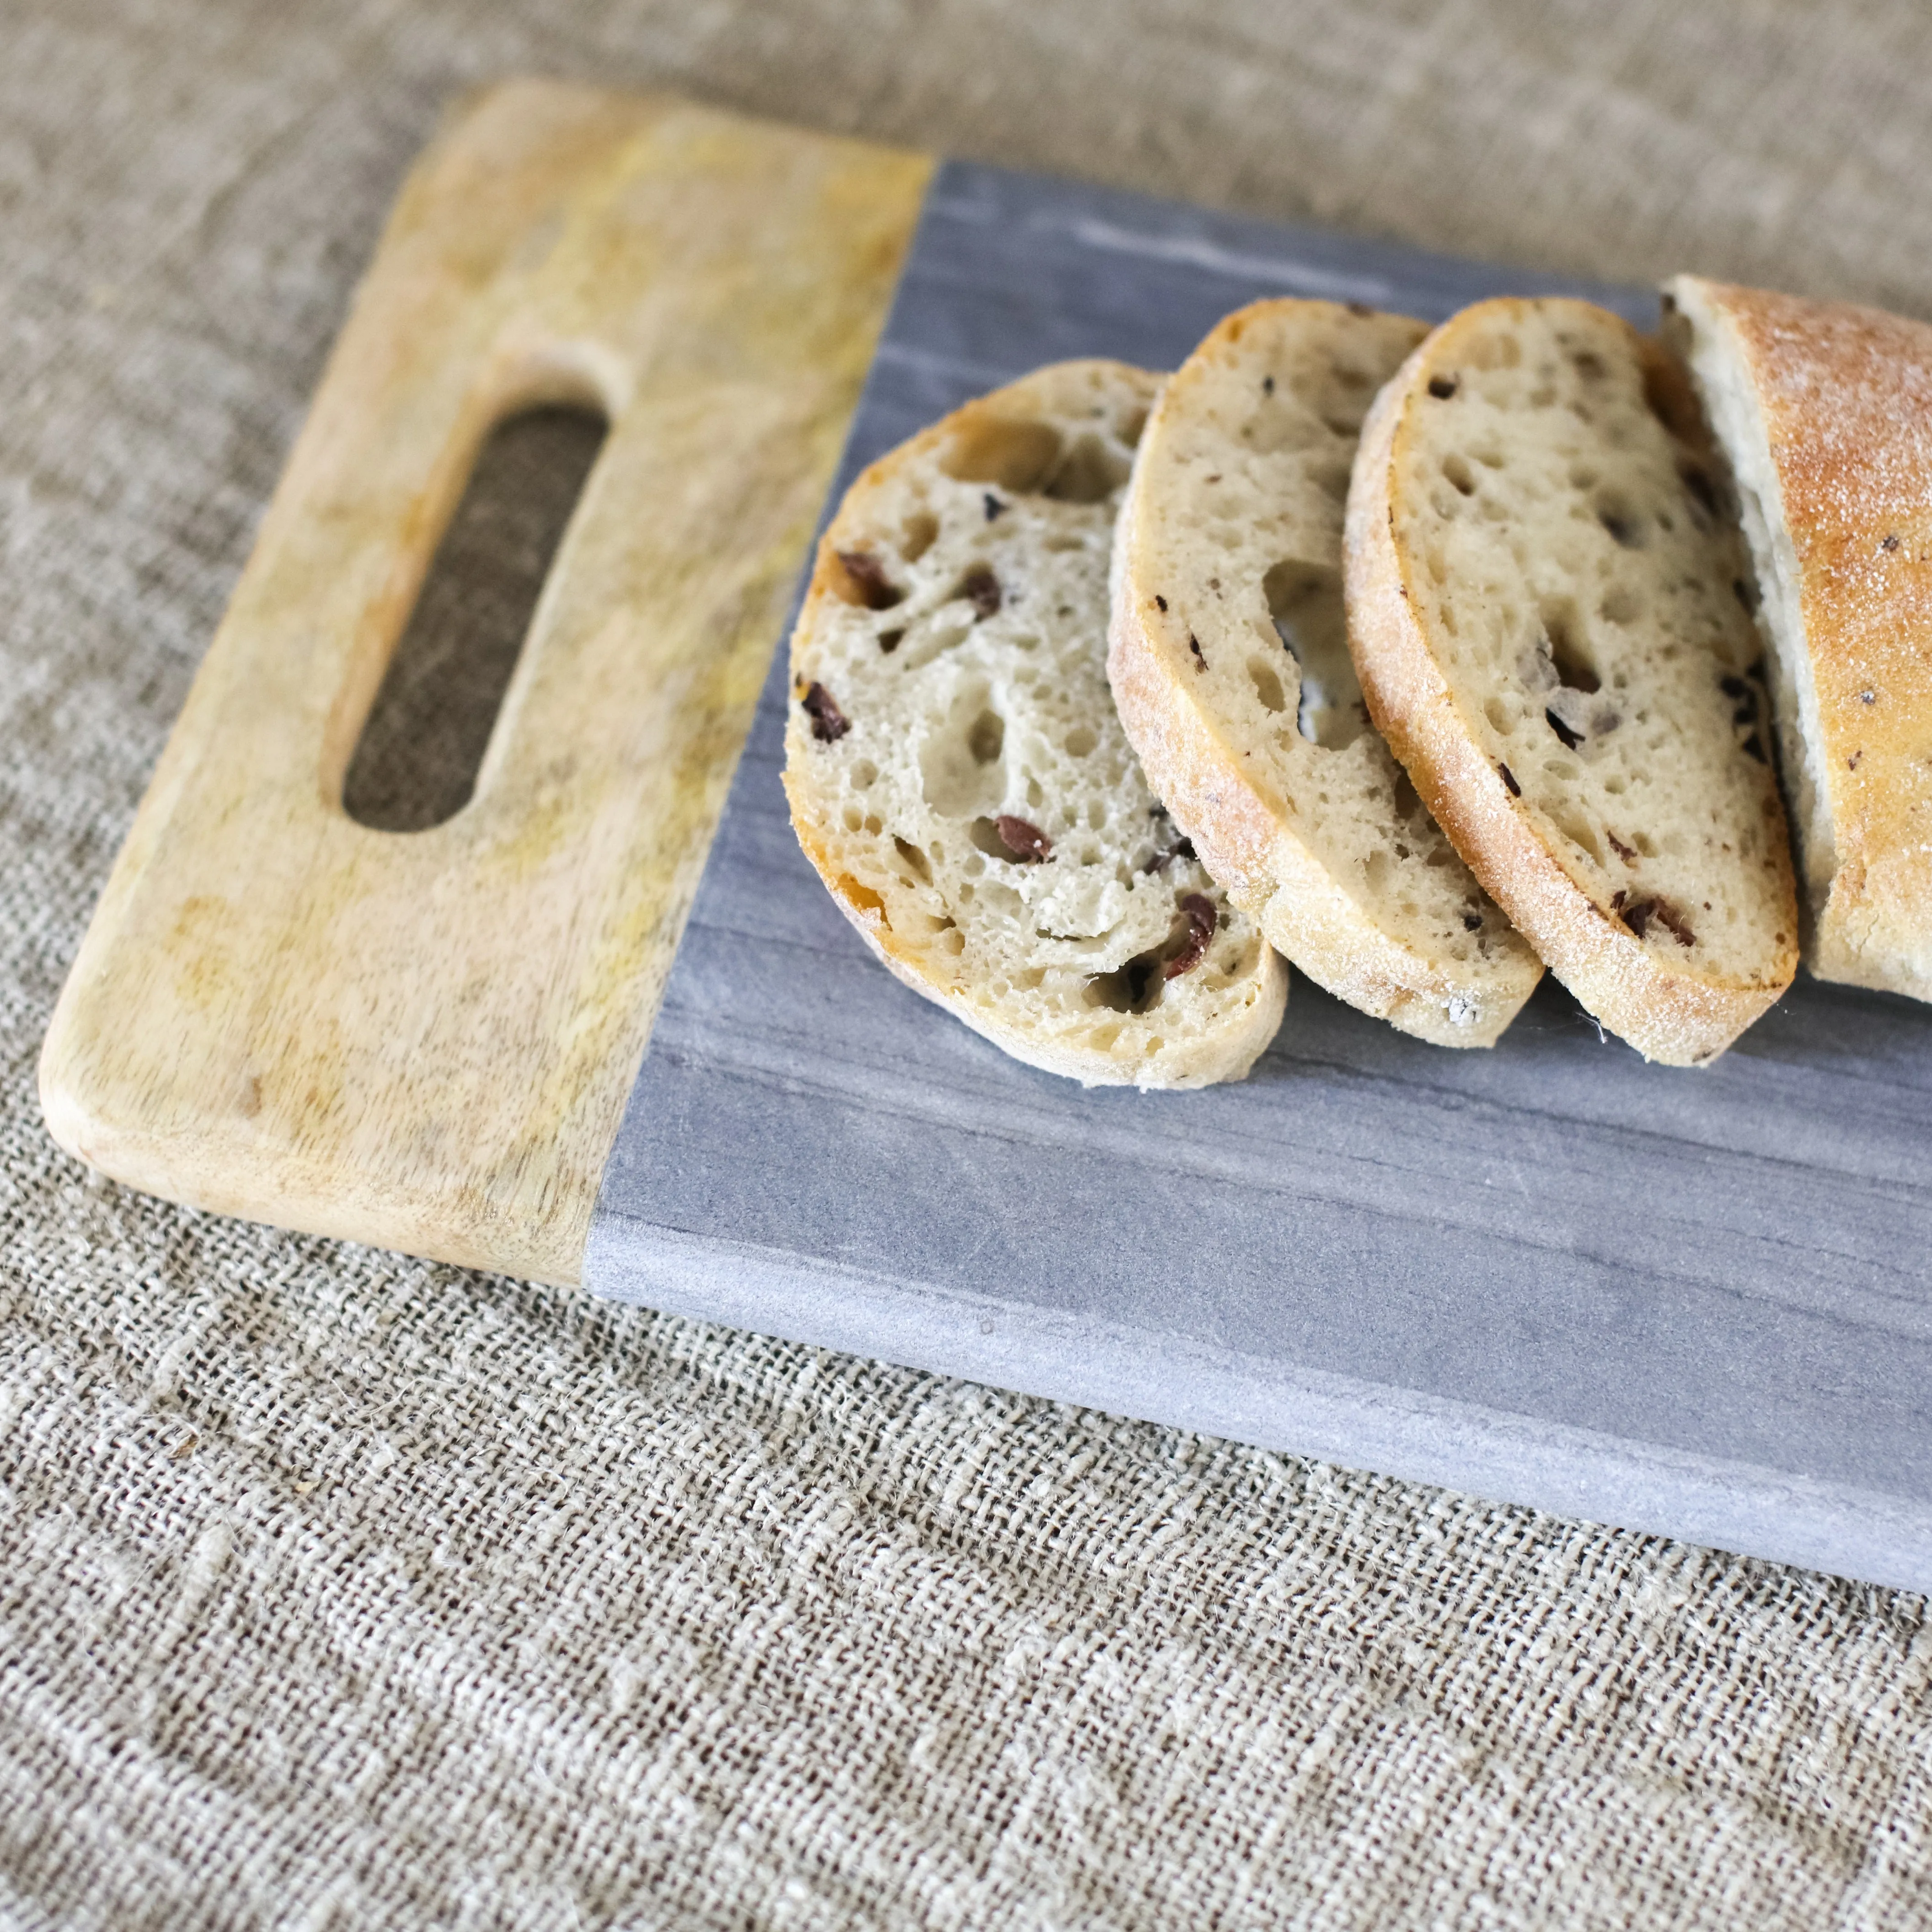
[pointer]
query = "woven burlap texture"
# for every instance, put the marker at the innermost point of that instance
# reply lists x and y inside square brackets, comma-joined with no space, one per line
[340,1590]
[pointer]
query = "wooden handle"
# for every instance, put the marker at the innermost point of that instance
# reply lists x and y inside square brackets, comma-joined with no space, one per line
[425,1040]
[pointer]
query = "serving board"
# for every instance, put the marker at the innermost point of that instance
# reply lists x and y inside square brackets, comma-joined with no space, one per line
[423,1039]
[1694,1302]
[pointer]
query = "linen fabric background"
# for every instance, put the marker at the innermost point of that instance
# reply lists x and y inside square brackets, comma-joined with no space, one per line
[339,1589]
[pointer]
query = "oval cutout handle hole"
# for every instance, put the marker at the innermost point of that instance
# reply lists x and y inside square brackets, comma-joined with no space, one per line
[414,764]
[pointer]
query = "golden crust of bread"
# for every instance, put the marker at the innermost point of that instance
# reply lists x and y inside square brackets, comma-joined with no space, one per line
[1846,395]
[1679,1017]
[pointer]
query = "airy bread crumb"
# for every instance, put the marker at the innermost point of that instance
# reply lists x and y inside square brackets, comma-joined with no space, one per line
[1551,612]
[1230,662]
[956,769]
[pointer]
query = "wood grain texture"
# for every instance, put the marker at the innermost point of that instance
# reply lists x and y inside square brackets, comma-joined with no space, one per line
[425,1041]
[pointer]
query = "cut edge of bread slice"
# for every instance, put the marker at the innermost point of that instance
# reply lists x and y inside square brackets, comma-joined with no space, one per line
[1618,954]
[958,775]
[1257,743]
[1836,498]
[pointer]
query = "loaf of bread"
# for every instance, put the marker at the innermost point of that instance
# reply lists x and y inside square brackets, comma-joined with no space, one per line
[956,770]
[1230,664]
[1825,411]
[1549,608]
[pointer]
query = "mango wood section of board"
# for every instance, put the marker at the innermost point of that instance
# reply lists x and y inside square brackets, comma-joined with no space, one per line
[425,1040]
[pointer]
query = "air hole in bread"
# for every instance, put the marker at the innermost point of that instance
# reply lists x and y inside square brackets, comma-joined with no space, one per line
[1305,601]
[1577,829]
[1456,467]
[921,530]
[862,899]
[932,637]
[1018,456]
[863,773]
[985,834]
[1622,518]
[1703,492]
[1135,988]
[861,579]
[1267,684]
[1570,654]
[1080,741]
[914,857]
[1091,471]
[961,769]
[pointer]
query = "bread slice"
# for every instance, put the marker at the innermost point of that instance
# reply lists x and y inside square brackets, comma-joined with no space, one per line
[1230,664]
[1825,411]
[956,769]
[1549,608]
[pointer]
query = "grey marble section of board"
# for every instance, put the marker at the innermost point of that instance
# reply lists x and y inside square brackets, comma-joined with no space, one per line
[1695,1303]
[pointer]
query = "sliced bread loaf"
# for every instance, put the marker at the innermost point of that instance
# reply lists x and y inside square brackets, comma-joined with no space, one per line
[1825,411]
[1230,664]
[956,770]
[1549,612]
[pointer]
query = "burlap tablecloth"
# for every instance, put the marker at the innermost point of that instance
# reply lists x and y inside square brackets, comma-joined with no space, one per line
[342,1590]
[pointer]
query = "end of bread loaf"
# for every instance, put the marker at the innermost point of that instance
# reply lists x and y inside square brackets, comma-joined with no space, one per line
[1548,611]
[1824,413]
[1230,664]
[958,774]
